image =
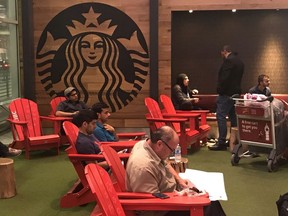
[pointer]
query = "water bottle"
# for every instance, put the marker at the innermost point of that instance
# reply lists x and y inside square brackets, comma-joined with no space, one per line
[178,154]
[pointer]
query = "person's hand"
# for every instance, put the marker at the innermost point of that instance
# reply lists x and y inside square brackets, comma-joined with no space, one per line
[195,100]
[195,91]
[75,113]
[184,183]
[109,128]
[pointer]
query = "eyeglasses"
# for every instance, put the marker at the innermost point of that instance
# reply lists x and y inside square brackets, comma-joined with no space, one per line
[172,150]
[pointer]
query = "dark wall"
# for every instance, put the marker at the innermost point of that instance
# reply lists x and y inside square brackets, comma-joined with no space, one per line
[259,36]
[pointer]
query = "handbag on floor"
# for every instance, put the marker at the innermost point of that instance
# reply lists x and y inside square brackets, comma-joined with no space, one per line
[282,205]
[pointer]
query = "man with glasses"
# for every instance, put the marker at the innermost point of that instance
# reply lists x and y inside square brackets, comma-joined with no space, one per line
[72,105]
[148,172]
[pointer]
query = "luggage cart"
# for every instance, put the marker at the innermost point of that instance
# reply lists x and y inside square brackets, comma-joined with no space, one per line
[258,130]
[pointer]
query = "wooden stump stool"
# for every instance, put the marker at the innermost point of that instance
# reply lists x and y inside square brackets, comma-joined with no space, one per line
[7,179]
[181,166]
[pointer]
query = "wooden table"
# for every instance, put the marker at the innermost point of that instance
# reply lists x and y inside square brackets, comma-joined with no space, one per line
[180,167]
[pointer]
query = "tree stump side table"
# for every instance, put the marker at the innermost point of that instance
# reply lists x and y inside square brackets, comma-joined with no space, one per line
[7,178]
[180,167]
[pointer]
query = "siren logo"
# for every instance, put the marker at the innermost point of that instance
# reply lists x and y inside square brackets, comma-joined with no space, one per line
[97,49]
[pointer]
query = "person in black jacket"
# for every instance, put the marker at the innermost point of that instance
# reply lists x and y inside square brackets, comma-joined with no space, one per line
[229,83]
[182,96]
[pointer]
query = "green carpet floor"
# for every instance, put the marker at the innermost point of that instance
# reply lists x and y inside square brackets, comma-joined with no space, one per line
[42,180]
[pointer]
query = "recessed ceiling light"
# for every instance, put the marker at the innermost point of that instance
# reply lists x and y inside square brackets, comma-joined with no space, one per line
[190,11]
[234,10]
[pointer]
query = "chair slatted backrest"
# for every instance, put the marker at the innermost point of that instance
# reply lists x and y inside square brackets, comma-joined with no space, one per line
[103,190]
[25,110]
[154,111]
[54,103]
[71,131]
[115,165]
[169,108]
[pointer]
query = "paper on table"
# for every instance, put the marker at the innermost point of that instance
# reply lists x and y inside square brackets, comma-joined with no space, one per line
[211,182]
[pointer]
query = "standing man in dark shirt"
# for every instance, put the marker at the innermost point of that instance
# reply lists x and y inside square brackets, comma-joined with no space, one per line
[262,87]
[229,83]
[72,105]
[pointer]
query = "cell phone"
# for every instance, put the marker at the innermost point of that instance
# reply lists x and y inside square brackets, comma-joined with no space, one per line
[195,189]
[160,195]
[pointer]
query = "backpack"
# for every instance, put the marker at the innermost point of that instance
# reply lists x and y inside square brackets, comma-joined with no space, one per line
[282,205]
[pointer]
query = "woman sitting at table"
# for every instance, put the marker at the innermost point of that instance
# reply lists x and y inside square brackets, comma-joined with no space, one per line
[182,96]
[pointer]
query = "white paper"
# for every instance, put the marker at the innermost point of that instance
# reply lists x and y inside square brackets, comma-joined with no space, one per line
[211,182]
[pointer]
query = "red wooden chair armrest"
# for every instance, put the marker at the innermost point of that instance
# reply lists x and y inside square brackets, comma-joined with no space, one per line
[133,195]
[120,144]
[193,111]
[60,118]
[203,113]
[172,203]
[17,122]
[181,115]
[86,157]
[171,120]
[95,156]
[130,135]
[51,118]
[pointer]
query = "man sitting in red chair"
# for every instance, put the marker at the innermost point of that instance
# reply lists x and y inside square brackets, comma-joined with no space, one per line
[72,105]
[86,142]
[148,172]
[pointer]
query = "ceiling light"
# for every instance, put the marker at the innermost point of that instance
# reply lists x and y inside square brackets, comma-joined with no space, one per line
[190,11]
[234,10]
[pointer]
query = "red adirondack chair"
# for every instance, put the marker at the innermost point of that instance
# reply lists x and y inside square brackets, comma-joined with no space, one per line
[204,128]
[108,202]
[26,127]
[80,192]
[58,120]
[156,119]
[116,166]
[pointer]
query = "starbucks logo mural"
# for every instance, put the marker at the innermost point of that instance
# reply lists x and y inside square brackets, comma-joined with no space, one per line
[96,48]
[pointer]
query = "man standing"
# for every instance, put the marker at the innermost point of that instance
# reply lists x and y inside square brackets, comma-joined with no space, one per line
[262,87]
[72,105]
[229,83]
[103,132]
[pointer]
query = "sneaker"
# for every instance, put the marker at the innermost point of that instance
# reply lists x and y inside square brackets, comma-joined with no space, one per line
[13,152]
[249,154]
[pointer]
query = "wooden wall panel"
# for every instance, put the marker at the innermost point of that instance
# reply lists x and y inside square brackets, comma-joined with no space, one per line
[133,114]
[167,6]
[138,11]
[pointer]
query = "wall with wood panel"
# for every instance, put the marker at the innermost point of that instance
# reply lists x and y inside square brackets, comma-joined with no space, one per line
[167,6]
[132,115]
[101,48]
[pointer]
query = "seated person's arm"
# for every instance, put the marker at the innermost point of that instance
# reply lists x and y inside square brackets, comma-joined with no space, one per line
[61,113]
[182,182]
[65,114]
[111,130]
[143,182]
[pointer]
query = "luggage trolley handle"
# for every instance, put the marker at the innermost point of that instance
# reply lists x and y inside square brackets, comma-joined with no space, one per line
[237,97]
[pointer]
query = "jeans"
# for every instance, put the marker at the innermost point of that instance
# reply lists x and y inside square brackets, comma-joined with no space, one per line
[225,107]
